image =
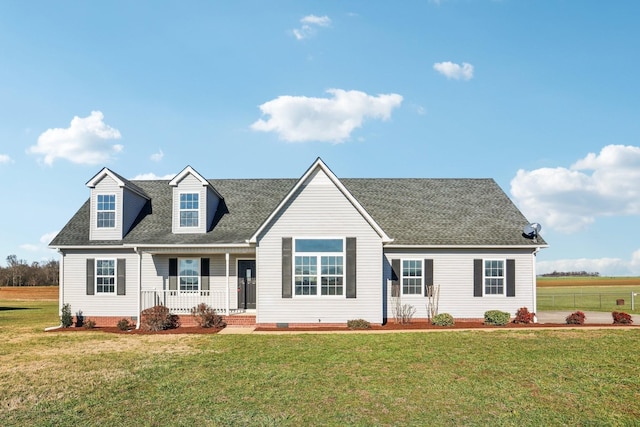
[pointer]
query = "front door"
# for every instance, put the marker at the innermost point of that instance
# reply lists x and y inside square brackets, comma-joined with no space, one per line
[247,284]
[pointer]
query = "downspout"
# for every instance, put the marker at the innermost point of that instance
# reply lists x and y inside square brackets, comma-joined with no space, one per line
[226,258]
[535,281]
[138,321]
[61,281]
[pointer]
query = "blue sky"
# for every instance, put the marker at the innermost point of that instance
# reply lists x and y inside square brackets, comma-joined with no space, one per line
[542,96]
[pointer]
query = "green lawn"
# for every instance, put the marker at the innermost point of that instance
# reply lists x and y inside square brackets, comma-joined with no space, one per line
[596,298]
[505,377]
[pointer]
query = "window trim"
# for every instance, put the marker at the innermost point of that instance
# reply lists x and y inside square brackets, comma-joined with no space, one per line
[96,276]
[114,211]
[199,275]
[402,277]
[318,256]
[180,209]
[485,277]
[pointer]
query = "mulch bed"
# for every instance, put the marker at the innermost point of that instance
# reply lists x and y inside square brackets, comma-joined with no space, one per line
[390,326]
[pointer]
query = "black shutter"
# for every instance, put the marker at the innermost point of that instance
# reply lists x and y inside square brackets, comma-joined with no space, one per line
[91,276]
[204,274]
[511,277]
[122,274]
[351,267]
[477,277]
[287,255]
[395,277]
[428,277]
[173,274]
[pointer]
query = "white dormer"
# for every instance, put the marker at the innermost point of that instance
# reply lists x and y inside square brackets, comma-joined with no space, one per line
[115,204]
[195,202]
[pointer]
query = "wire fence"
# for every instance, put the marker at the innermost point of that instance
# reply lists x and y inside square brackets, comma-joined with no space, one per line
[609,301]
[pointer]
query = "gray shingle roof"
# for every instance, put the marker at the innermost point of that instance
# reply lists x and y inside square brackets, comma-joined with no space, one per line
[411,211]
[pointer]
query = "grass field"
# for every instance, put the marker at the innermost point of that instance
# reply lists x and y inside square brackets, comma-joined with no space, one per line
[505,377]
[588,293]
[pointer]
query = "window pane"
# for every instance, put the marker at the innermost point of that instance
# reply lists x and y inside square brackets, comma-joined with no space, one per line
[319,245]
[105,275]
[189,274]
[412,277]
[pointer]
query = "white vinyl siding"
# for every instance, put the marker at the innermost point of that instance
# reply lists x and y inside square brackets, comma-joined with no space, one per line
[106,186]
[312,212]
[453,271]
[190,185]
[74,289]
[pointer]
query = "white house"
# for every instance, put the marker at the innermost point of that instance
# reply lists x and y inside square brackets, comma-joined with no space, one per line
[318,250]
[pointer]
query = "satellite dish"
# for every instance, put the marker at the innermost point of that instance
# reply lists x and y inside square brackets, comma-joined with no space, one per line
[531,230]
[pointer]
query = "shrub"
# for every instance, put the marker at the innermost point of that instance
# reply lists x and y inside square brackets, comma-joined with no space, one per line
[443,319]
[124,324]
[523,315]
[206,317]
[66,319]
[158,318]
[358,324]
[576,318]
[403,313]
[89,324]
[496,317]
[621,318]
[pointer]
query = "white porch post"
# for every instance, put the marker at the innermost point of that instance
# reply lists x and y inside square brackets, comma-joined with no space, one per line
[228,302]
[60,282]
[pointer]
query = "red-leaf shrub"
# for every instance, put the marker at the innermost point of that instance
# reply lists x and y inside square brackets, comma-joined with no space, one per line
[158,318]
[576,318]
[621,318]
[206,317]
[523,316]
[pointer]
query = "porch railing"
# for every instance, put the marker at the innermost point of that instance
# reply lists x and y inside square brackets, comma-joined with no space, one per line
[181,302]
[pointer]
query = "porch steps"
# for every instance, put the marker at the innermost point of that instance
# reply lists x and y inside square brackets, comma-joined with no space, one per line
[248,320]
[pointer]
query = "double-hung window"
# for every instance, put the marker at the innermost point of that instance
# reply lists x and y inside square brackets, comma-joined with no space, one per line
[412,277]
[189,274]
[105,276]
[106,208]
[319,267]
[494,277]
[189,209]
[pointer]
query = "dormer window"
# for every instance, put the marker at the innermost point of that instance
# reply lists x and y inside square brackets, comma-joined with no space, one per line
[189,209]
[106,209]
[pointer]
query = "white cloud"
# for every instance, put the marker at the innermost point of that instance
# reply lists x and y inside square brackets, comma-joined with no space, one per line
[156,157]
[300,118]
[86,141]
[44,241]
[309,26]
[150,176]
[569,199]
[454,71]
[604,266]
[4,159]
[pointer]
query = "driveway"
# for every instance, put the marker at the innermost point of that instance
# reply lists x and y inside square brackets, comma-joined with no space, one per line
[591,317]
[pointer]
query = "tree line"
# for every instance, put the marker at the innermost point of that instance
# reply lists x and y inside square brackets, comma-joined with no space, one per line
[571,273]
[19,272]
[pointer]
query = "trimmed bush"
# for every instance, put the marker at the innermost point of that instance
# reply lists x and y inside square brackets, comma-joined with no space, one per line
[358,324]
[206,317]
[158,318]
[496,317]
[124,324]
[575,318]
[443,319]
[621,318]
[523,315]
[89,324]
[66,319]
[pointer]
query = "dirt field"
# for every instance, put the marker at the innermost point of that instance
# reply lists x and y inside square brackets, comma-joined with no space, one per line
[544,282]
[29,293]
